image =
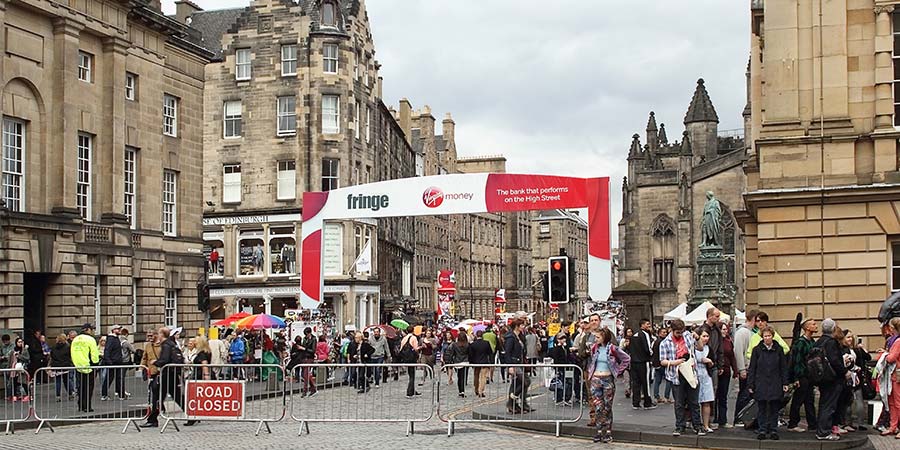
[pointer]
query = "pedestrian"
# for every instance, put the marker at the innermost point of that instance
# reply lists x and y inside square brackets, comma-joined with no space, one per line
[201,357]
[323,356]
[729,371]
[532,347]
[830,390]
[893,400]
[583,342]
[360,352]
[625,344]
[762,321]
[741,344]
[170,357]
[767,381]
[659,372]
[152,349]
[308,358]
[674,351]
[713,326]
[706,394]
[112,356]
[458,356]
[35,356]
[804,392]
[61,360]
[514,347]
[128,352]
[544,342]
[380,354]
[446,344]
[85,353]
[607,362]
[219,349]
[408,353]
[853,409]
[191,350]
[237,352]
[426,353]
[480,355]
[562,356]
[641,358]
[491,337]
[20,358]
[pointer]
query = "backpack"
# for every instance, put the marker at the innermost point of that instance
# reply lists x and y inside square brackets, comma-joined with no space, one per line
[177,355]
[406,354]
[818,369]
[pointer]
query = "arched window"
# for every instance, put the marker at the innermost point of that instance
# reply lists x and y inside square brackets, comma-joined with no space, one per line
[329,16]
[662,235]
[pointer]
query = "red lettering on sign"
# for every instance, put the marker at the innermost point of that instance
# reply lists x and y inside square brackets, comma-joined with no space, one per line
[214,399]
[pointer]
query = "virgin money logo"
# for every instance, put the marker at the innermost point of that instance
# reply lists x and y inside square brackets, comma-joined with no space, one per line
[433,197]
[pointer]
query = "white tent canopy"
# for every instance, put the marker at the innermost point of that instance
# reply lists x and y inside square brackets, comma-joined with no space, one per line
[679,312]
[698,315]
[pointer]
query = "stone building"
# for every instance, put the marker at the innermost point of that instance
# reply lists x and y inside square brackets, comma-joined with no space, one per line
[823,234]
[554,232]
[102,149]
[663,198]
[293,104]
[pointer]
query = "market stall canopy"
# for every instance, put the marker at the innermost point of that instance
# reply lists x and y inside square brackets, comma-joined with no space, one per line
[228,321]
[698,315]
[679,312]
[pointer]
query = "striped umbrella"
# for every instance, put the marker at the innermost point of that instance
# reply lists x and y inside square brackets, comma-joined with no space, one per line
[228,321]
[260,322]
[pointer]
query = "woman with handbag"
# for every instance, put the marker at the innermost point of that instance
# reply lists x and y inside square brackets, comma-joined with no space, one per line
[607,362]
[858,358]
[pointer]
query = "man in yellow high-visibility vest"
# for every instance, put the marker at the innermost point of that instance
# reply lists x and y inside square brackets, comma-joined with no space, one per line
[85,353]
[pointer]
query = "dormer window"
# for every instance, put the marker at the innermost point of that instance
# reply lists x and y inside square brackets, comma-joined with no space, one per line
[329,18]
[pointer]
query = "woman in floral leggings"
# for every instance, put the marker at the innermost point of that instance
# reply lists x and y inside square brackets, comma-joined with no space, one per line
[607,362]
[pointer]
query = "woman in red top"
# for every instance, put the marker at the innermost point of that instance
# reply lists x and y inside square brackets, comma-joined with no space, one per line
[893,357]
[426,351]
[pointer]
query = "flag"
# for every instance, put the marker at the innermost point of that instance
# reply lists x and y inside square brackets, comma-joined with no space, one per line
[364,260]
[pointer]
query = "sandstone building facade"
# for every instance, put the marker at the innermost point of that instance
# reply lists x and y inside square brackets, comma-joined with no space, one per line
[663,199]
[293,104]
[102,147]
[822,218]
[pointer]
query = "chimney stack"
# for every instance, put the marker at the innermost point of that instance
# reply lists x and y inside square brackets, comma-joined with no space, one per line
[155,5]
[449,129]
[184,9]
[406,119]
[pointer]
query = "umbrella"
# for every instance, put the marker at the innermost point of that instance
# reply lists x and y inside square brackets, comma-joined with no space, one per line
[228,321]
[890,308]
[260,322]
[478,328]
[389,331]
[400,324]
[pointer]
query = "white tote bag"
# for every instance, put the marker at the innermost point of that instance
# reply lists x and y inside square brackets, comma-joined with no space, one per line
[686,369]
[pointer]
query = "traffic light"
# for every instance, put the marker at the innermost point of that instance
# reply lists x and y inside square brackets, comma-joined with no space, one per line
[202,295]
[558,269]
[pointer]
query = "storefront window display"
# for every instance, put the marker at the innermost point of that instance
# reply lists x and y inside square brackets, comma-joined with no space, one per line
[215,257]
[251,253]
[282,251]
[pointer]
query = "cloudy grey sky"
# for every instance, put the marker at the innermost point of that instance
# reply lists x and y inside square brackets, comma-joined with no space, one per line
[559,86]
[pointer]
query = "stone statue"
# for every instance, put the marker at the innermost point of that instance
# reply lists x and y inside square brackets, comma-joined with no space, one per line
[711,224]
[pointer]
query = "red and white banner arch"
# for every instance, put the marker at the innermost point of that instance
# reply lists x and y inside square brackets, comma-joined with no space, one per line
[458,194]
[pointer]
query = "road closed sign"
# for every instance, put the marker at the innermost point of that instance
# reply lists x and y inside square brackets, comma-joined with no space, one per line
[217,399]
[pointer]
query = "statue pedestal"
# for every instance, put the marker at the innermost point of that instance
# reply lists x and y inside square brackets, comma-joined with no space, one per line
[710,280]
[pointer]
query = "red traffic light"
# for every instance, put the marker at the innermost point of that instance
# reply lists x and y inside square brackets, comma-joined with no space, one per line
[557,265]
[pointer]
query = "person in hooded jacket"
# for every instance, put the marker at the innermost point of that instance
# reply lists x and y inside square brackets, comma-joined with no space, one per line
[60,357]
[767,381]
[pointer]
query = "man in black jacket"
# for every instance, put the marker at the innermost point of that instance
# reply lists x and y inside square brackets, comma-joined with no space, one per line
[480,352]
[830,391]
[514,346]
[170,381]
[112,356]
[641,354]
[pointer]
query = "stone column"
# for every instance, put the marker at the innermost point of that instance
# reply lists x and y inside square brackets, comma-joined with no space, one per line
[884,69]
[111,157]
[64,136]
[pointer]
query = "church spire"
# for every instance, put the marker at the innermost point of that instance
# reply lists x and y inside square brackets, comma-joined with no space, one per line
[663,139]
[686,148]
[635,151]
[701,109]
[652,132]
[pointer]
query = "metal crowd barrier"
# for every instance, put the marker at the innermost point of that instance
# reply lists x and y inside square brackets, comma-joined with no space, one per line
[16,397]
[103,393]
[538,393]
[222,392]
[361,393]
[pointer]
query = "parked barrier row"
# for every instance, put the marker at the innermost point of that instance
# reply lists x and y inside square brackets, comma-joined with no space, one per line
[16,397]
[259,393]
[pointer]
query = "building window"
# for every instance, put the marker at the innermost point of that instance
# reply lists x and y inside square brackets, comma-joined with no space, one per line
[545,227]
[329,17]
[282,251]
[170,115]
[85,65]
[357,121]
[171,311]
[368,124]
[83,186]
[169,200]
[287,115]
[331,114]
[663,251]
[366,72]
[288,60]
[215,245]
[896,22]
[330,58]
[420,165]
[130,185]
[97,305]
[330,174]
[231,121]
[356,64]
[130,86]
[13,164]
[231,183]
[242,64]
[895,266]
[287,180]
[251,253]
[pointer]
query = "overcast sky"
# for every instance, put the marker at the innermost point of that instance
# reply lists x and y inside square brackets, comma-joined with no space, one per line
[559,86]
